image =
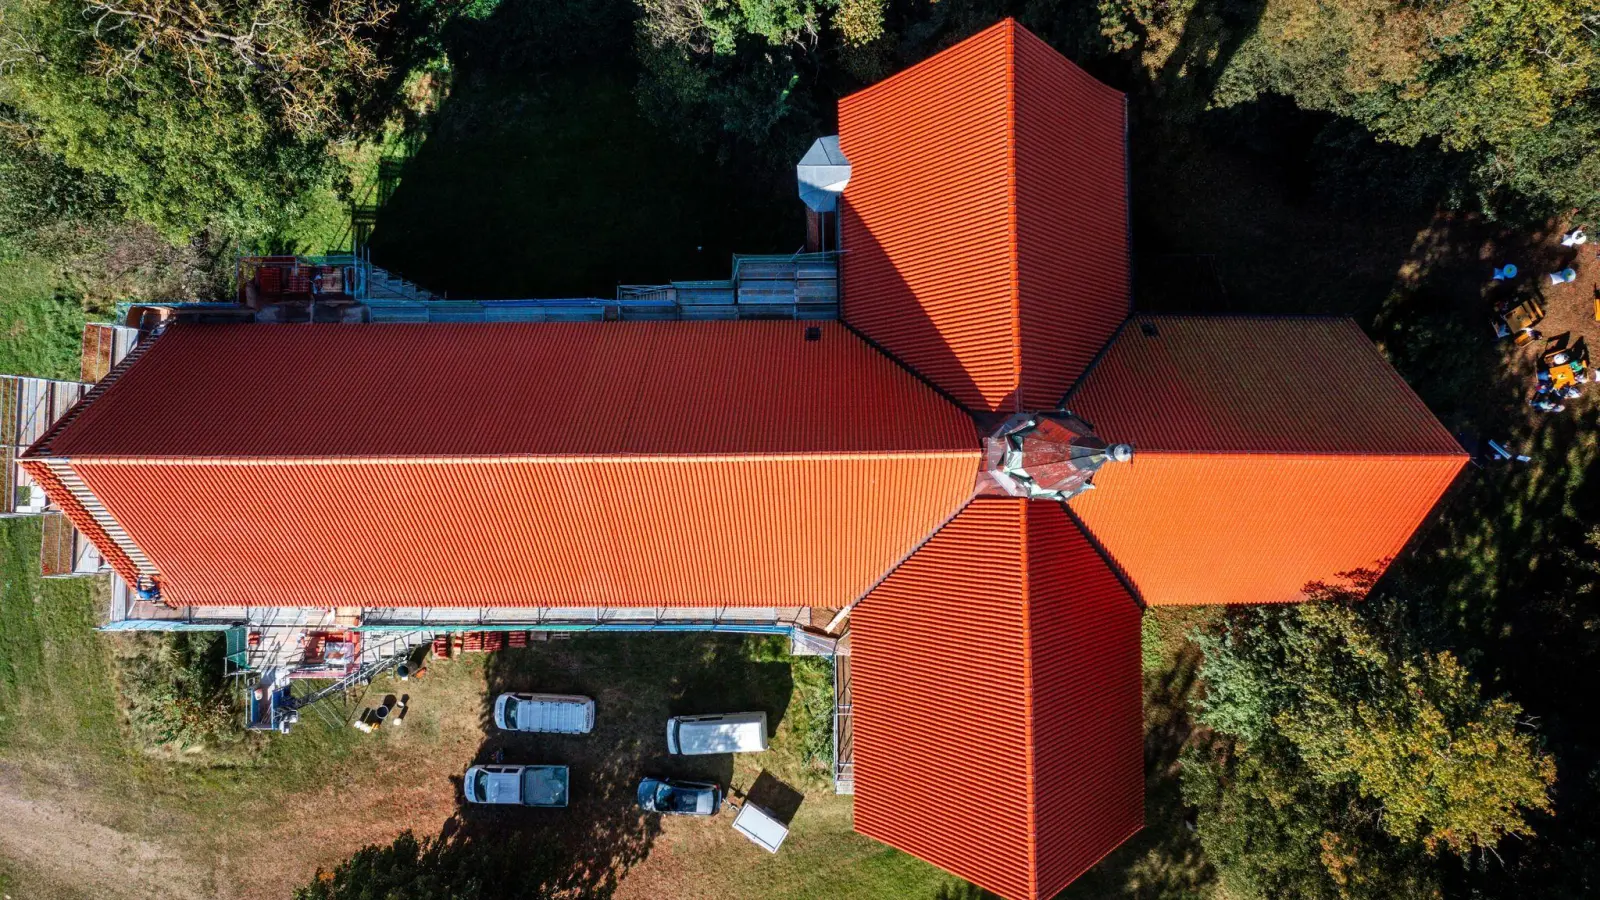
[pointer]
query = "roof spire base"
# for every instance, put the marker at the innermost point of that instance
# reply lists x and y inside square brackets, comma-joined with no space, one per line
[1047,455]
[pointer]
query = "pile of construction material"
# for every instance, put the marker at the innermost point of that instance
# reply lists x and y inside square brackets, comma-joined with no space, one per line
[457,643]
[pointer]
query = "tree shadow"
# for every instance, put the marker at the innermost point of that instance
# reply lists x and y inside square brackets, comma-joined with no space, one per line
[538,176]
[1505,581]
[637,681]
[962,891]
[1164,861]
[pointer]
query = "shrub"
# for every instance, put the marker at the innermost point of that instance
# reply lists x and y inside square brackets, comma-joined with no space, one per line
[175,692]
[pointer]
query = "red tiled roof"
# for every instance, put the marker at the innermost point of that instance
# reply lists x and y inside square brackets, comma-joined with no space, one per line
[812,530]
[1247,384]
[1207,528]
[997,696]
[1270,453]
[985,226]
[556,388]
[615,464]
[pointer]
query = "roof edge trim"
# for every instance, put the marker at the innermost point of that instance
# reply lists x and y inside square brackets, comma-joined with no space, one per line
[609,459]
[1147,450]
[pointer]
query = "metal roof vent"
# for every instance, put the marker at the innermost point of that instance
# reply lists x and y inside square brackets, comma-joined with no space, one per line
[823,172]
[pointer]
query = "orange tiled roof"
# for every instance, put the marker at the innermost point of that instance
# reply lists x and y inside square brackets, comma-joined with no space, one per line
[997,696]
[615,464]
[1270,453]
[544,389]
[1254,384]
[985,224]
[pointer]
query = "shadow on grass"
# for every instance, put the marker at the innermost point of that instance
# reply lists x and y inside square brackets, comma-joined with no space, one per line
[553,185]
[637,682]
[781,801]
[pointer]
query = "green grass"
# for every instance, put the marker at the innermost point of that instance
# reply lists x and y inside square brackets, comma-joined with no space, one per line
[56,677]
[41,320]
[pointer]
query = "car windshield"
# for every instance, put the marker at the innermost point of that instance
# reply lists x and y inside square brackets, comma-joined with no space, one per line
[665,797]
[511,712]
[480,786]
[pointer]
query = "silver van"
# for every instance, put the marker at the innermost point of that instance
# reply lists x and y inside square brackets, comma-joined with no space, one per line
[552,713]
[744,732]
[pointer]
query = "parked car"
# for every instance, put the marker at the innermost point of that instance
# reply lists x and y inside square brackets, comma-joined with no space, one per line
[550,713]
[517,785]
[679,798]
[719,733]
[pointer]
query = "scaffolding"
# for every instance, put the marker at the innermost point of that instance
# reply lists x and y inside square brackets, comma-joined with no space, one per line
[844,745]
[280,694]
[29,408]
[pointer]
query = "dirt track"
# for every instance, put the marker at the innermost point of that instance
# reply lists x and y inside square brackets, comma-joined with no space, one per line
[64,847]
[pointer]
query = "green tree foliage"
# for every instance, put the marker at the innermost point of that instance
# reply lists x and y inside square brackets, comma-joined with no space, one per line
[1271,830]
[1351,756]
[39,192]
[741,72]
[1512,82]
[216,112]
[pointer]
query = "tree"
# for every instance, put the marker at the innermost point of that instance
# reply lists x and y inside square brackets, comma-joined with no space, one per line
[1340,733]
[1271,830]
[1512,83]
[39,192]
[741,73]
[204,113]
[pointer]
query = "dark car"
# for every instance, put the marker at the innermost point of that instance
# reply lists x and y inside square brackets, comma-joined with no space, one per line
[679,798]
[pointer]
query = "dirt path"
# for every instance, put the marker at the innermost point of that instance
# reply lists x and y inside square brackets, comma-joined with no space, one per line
[65,848]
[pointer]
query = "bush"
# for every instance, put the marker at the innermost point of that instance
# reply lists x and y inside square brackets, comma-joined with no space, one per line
[40,193]
[810,713]
[176,694]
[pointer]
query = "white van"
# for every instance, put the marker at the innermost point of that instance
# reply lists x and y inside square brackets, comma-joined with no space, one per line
[744,732]
[548,713]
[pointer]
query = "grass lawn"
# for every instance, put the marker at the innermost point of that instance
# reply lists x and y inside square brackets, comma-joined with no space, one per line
[196,824]
[86,813]
[41,322]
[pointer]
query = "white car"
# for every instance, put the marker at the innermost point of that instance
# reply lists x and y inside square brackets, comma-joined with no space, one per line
[516,785]
[548,713]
